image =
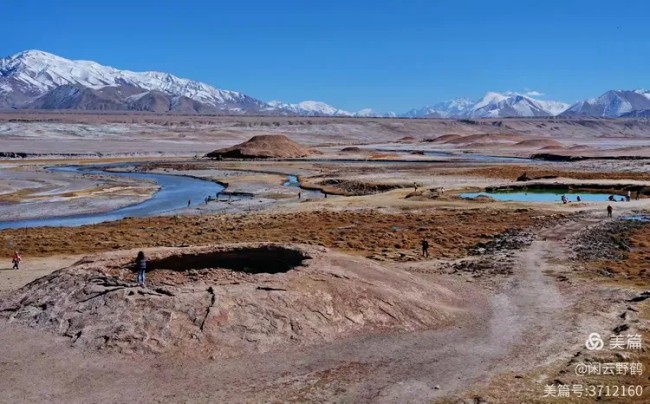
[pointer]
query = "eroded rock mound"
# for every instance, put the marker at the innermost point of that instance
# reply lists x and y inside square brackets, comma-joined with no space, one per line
[264,146]
[226,300]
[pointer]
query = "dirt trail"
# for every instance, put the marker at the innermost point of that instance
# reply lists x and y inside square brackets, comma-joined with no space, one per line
[528,321]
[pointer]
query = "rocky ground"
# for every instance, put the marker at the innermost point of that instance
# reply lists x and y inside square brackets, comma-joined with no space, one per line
[229,301]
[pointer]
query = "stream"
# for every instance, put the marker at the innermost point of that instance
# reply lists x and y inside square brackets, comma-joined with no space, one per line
[173,194]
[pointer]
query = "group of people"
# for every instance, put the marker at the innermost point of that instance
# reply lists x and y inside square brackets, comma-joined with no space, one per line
[612,198]
[628,197]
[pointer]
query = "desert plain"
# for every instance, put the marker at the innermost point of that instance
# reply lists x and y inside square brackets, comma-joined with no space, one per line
[301,277]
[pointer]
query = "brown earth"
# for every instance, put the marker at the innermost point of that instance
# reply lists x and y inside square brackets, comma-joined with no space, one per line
[539,143]
[615,300]
[236,299]
[369,233]
[513,171]
[264,146]
[510,313]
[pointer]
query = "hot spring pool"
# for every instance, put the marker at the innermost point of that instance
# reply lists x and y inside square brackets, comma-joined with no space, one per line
[540,196]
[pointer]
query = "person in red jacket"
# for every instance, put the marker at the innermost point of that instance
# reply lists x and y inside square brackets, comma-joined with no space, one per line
[16,260]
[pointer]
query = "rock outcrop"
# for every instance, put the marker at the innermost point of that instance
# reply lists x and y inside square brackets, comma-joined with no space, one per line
[226,300]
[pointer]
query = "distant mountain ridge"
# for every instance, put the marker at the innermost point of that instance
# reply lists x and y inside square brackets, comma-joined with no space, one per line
[39,80]
[612,104]
[492,105]
[30,75]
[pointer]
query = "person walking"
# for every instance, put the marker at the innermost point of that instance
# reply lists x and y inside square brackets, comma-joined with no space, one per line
[189,203]
[141,267]
[16,260]
[609,210]
[425,248]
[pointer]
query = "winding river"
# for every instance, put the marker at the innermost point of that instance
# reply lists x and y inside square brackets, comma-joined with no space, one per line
[173,194]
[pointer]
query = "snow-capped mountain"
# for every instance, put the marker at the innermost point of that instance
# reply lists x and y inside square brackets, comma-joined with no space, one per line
[453,108]
[32,74]
[613,104]
[371,113]
[492,105]
[308,108]
[40,80]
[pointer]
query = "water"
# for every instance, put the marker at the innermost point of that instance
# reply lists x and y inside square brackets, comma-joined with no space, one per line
[174,193]
[539,196]
[496,159]
[467,156]
[292,181]
[638,218]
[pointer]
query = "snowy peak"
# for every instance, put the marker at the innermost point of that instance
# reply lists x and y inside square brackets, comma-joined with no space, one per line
[447,109]
[612,104]
[490,99]
[308,108]
[371,113]
[492,105]
[41,80]
[33,73]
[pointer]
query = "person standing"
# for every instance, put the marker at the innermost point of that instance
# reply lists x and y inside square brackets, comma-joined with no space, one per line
[629,195]
[189,203]
[425,247]
[609,210]
[141,267]
[16,260]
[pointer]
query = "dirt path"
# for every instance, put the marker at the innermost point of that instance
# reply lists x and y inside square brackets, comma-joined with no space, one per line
[529,320]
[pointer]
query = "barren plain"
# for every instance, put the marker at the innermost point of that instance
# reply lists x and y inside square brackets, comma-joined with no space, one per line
[303,279]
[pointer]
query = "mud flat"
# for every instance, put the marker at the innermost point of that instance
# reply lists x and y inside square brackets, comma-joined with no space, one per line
[31,192]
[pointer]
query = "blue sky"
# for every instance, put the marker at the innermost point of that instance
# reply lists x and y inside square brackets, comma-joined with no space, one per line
[388,55]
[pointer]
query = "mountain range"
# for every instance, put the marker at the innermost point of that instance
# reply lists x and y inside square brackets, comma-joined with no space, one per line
[39,80]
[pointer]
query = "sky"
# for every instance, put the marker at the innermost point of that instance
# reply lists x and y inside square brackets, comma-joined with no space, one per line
[382,54]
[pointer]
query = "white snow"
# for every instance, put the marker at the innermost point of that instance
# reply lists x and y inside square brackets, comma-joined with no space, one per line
[42,71]
[309,108]
[492,105]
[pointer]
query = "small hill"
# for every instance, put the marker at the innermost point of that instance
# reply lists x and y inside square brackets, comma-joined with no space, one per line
[540,143]
[227,300]
[351,149]
[264,146]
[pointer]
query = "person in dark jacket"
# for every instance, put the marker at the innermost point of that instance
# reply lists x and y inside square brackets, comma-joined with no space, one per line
[141,267]
[425,248]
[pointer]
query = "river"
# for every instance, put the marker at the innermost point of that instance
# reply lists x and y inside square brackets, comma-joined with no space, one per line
[173,194]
